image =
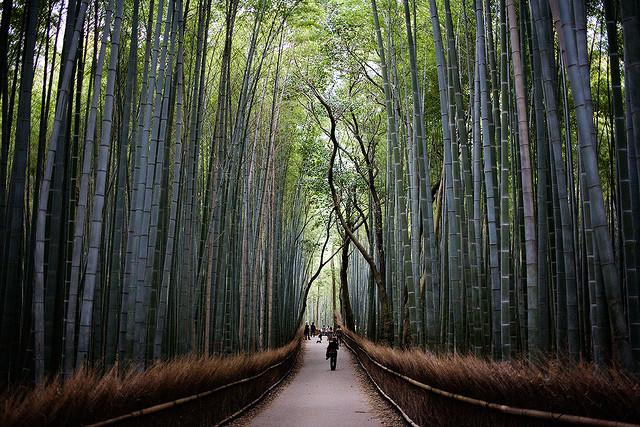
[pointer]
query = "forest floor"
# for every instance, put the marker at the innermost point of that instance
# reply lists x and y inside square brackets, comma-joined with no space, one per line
[316,396]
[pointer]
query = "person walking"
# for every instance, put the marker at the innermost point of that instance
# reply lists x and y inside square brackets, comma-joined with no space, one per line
[338,334]
[332,353]
[313,329]
[306,331]
[330,333]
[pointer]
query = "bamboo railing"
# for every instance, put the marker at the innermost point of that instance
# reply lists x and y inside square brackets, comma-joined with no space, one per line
[177,402]
[504,409]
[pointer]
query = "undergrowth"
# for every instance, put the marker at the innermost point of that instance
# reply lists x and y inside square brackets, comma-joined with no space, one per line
[89,397]
[550,385]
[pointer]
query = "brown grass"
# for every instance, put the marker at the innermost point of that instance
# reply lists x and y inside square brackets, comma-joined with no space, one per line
[576,389]
[88,397]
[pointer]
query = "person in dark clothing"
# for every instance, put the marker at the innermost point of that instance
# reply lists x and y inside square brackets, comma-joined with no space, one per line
[338,335]
[332,353]
[306,331]
[313,329]
[329,333]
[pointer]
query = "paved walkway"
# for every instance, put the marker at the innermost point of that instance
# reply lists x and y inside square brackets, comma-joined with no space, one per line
[316,396]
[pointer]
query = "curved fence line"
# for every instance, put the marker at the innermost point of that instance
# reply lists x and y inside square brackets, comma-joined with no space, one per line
[258,399]
[385,395]
[166,405]
[523,412]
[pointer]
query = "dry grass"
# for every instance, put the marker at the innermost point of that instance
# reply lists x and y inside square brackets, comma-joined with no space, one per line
[552,386]
[88,397]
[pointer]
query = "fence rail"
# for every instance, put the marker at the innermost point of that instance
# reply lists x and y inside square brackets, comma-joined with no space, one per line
[505,409]
[172,404]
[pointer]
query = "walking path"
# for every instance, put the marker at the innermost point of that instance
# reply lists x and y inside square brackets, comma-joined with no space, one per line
[317,396]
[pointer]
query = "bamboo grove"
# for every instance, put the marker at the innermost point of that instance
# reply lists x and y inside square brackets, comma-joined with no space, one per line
[150,205]
[497,212]
[176,174]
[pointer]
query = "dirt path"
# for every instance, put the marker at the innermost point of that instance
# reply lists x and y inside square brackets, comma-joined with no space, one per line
[316,396]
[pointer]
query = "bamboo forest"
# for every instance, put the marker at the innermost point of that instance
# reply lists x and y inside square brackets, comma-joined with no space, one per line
[451,188]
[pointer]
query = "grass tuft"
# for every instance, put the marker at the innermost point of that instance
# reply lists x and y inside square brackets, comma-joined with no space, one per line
[550,385]
[88,397]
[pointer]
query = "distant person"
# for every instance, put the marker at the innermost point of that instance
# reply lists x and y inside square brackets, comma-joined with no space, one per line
[330,333]
[339,335]
[320,334]
[332,353]
[313,329]
[306,331]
